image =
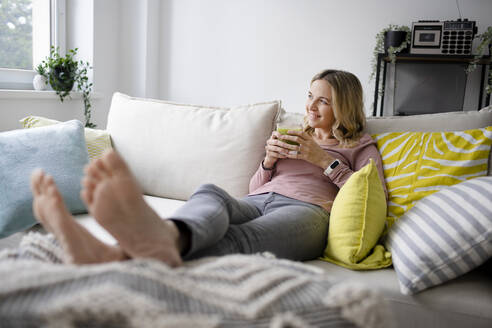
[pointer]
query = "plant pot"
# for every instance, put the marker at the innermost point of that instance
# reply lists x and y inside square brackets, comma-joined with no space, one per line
[62,78]
[39,82]
[394,39]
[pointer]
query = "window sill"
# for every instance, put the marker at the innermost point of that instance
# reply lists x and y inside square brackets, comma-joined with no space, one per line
[45,94]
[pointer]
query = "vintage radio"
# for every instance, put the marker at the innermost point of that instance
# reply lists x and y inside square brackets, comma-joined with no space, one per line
[443,37]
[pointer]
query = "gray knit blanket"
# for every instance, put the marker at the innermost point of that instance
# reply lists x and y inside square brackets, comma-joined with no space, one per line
[37,290]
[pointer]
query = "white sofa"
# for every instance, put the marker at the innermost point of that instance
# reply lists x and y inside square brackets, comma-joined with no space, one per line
[173,148]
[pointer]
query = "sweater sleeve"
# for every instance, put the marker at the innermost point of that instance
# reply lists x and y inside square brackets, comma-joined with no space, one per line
[371,152]
[362,155]
[261,177]
[340,174]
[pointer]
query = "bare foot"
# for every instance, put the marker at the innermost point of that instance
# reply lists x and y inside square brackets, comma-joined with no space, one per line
[115,200]
[80,246]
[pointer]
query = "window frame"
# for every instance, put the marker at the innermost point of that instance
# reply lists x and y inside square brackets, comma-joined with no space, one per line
[21,79]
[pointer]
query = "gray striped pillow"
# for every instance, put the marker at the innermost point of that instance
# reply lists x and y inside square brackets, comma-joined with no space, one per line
[443,236]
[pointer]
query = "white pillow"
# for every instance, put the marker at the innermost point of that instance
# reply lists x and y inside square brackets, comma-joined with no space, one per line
[443,236]
[174,148]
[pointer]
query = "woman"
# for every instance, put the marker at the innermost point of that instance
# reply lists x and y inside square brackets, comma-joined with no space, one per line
[286,212]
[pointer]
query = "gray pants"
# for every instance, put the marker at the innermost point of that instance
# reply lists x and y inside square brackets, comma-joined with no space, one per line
[221,224]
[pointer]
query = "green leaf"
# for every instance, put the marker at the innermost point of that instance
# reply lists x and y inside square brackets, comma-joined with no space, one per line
[63,72]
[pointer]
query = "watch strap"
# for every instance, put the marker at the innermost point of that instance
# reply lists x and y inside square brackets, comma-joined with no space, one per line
[331,167]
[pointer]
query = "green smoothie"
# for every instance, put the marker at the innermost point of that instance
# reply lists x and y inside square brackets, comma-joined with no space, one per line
[285,130]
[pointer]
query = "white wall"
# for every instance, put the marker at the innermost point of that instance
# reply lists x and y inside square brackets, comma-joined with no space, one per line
[225,52]
[107,62]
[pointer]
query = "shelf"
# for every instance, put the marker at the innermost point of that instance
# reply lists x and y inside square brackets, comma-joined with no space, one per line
[45,94]
[437,58]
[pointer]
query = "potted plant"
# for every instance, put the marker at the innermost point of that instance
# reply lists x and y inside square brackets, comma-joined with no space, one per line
[62,73]
[485,43]
[39,82]
[390,40]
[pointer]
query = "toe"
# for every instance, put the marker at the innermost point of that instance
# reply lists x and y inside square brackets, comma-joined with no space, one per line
[47,181]
[89,183]
[101,166]
[94,171]
[52,191]
[36,178]
[113,161]
[86,197]
[44,179]
[50,187]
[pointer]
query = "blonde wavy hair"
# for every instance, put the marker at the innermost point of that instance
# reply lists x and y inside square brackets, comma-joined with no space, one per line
[348,106]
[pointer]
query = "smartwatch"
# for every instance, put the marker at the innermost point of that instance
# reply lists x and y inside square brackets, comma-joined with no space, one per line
[331,167]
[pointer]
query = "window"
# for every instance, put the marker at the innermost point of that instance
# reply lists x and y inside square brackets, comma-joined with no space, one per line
[27,30]
[16,34]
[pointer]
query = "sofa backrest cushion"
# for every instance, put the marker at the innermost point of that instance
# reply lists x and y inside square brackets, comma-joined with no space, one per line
[452,121]
[174,148]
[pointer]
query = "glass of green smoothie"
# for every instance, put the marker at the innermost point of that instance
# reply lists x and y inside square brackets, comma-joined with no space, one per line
[285,127]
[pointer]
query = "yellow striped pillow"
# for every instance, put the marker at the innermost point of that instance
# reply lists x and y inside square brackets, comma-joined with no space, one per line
[417,164]
[97,141]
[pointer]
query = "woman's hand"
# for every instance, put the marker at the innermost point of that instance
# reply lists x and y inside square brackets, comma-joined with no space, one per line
[308,149]
[277,149]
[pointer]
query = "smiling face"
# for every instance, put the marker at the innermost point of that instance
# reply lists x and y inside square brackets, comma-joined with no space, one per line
[319,107]
[335,108]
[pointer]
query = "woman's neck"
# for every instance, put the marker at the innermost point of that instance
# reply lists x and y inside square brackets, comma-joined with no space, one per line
[323,135]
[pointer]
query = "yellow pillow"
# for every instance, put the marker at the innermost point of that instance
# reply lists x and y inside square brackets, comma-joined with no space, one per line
[97,141]
[417,164]
[357,220]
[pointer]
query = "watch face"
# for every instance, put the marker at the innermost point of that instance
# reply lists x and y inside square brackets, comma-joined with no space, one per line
[334,164]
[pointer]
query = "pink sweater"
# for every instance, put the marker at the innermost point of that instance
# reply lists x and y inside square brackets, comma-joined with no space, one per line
[304,181]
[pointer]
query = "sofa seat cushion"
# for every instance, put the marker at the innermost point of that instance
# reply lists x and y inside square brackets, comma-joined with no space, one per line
[463,302]
[164,207]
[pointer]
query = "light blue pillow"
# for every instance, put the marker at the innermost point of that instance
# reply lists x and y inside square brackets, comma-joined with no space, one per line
[59,150]
[443,236]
